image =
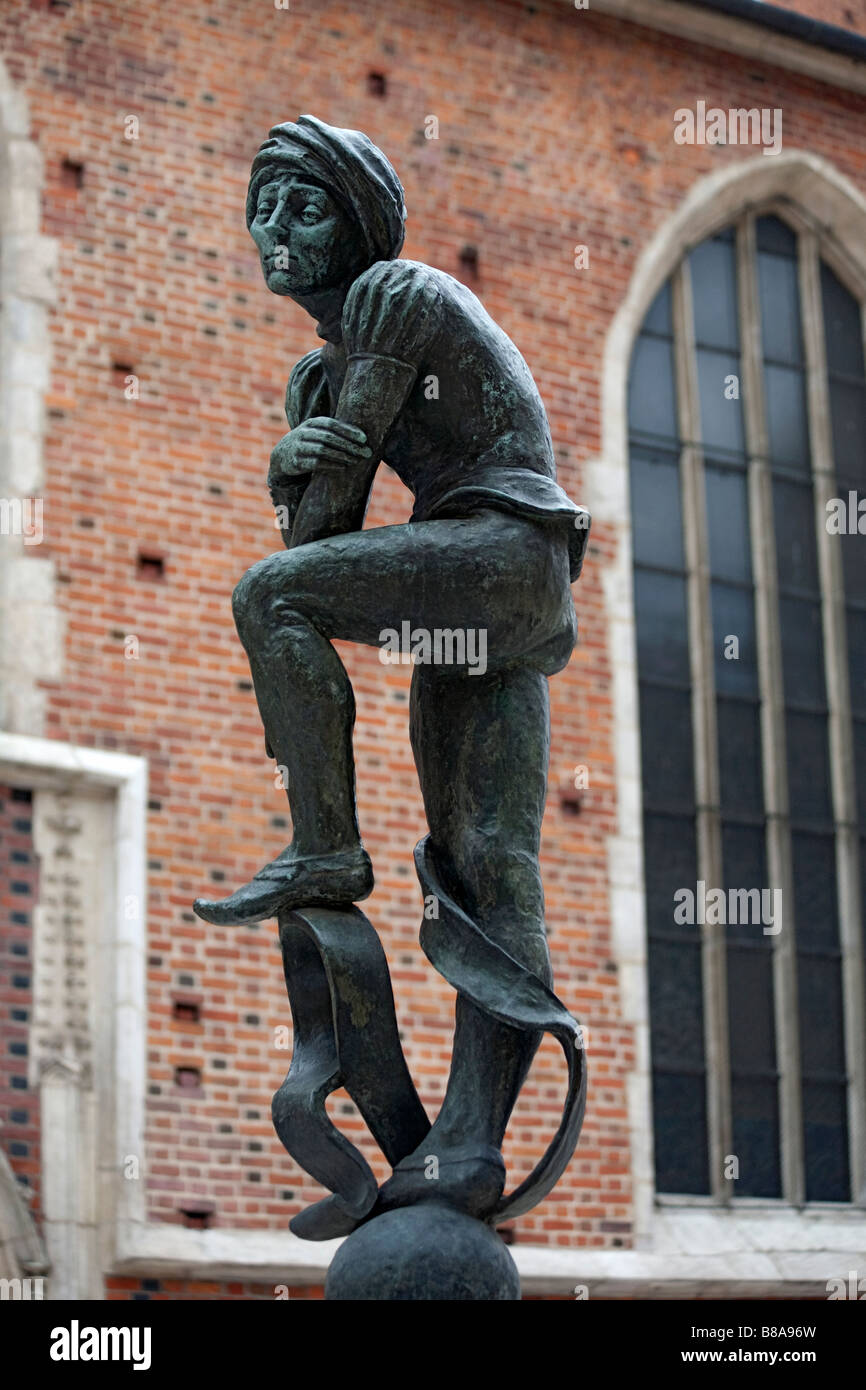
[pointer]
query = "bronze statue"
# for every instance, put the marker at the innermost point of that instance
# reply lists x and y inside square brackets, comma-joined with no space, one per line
[413,371]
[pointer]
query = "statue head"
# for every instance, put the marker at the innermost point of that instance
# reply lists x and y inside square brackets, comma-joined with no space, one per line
[323,204]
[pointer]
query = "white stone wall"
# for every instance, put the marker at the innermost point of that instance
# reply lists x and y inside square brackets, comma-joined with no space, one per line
[31,631]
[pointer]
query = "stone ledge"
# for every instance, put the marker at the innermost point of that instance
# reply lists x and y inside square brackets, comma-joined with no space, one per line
[695,1254]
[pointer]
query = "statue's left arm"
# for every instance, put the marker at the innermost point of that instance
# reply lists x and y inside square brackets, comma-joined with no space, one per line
[390,317]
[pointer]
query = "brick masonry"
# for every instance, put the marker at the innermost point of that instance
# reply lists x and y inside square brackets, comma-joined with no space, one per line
[555,129]
[19,885]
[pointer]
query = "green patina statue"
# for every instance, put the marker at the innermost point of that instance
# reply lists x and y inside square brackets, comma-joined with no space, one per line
[414,372]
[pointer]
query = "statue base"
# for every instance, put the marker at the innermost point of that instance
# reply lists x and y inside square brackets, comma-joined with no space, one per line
[427,1252]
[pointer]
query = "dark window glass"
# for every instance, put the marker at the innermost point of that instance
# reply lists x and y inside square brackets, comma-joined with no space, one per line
[848,420]
[728,524]
[651,396]
[666,734]
[814,874]
[680,1117]
[854,558]
[659,317]
[670,863]
[822,1045]
[820,1009]
[785,392]
[863,889]
[714,294]
[736,666]
[750,1010]
[754,1085]
[808,770]
[802,651]
[843,331]
[744,857]
[751,1018]
[662,635]
[825,1142]
[860,766]
[784,383]
[780,309]
[676,1015]
[721,414]
[657,518]
[739,735]
[796,553]
[755,1129]
[857,656]
[775,236]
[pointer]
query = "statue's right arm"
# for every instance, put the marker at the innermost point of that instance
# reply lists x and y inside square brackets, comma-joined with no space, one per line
[316,444]
[306,399]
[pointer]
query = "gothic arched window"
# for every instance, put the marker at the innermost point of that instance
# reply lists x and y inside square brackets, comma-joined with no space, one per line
[747,421]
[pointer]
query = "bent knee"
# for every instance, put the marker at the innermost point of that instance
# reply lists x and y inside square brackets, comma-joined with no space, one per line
[268,582]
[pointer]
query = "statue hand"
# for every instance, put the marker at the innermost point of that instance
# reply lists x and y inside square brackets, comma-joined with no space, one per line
[321,440]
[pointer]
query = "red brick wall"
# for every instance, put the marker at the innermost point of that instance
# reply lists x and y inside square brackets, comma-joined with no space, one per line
[19,881]
[555,129]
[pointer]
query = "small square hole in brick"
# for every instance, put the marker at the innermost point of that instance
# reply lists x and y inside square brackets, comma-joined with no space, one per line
[188,1078]
[150,567]
[198,1218]
[186,1011]
[120,371]
[72,174]
[469,262]
[377,84]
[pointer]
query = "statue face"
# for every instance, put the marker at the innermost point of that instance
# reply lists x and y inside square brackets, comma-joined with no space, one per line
[306,242]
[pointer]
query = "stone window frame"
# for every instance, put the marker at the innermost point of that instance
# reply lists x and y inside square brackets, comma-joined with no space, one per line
[88,1042]
[814,244]
[779,1231]
[88,1039]
[86,1054]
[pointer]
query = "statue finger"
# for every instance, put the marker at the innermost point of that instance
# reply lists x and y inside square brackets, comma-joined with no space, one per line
[333,440]
[342,428]
[337,449]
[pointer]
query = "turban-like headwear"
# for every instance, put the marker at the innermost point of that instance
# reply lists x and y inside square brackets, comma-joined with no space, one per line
[349,166]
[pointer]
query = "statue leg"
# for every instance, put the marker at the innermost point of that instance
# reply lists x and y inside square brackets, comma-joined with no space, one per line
[307,707]
[481,748]
[495,575]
